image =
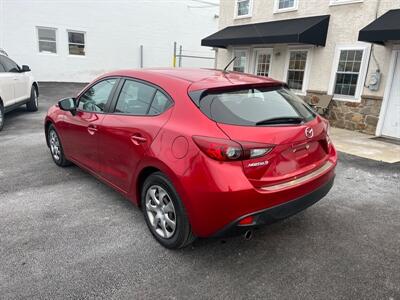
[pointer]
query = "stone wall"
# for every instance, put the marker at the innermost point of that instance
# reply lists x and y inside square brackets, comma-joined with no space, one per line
[361,116]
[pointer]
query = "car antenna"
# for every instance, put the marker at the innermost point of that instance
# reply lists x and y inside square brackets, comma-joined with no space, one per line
[227,66]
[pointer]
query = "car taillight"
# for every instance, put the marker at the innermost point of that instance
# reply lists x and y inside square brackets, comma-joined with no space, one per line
[247,221]
[228,150]
[328,134]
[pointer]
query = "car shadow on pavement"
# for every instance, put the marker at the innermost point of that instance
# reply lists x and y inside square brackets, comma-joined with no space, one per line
[282,229]
[20,111]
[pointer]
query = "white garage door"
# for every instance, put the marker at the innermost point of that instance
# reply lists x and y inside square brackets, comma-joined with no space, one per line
[391,122]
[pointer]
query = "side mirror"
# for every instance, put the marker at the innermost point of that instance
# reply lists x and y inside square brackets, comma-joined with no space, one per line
[68,104]
[25,68]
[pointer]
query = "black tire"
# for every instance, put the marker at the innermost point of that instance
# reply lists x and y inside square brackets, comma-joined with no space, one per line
[1,116]
[182,235]
[59,159]
[33,104]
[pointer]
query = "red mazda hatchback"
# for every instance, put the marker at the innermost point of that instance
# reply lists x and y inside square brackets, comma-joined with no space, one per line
[202,152]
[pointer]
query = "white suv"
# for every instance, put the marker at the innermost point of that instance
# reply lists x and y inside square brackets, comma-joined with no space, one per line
[17,87]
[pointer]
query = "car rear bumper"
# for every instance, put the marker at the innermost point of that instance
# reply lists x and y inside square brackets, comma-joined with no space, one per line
[276,213]
[222,195]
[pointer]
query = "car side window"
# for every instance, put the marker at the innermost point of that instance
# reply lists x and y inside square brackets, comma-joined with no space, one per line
[135,98]
[160,104]
[96,97]
[8,64]
[2,70]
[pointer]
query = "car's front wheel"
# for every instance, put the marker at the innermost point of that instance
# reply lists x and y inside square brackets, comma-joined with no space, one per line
[164,212]
[56,149]
[33,103]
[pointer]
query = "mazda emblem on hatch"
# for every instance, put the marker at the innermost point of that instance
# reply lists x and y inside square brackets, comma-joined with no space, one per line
[309,132]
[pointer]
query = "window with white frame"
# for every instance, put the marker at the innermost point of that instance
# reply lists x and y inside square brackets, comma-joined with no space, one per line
[347,75]
[243,8]
[262,63]
[47,39]
[76,43]
[285,5]
[296,72]
[240,63]
[339,2]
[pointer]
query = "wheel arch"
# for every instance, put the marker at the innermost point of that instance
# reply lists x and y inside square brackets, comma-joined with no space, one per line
[147,167]
[47,124]
[142,176]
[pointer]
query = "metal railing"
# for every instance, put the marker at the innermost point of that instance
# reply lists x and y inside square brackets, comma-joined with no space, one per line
[178,56]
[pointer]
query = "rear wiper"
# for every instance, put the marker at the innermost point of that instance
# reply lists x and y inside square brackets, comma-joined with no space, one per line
[281,120]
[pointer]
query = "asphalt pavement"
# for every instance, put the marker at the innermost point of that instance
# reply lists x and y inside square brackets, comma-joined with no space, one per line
[64,234]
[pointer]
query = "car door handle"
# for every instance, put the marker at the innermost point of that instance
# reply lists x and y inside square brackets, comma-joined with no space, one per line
[92,129]
[138,139]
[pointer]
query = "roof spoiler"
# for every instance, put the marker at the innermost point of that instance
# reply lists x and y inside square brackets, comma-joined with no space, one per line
[196,96]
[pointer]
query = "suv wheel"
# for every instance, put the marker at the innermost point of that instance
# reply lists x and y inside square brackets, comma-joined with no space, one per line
[164,212]
[1,116]
[33,103]
[56,149]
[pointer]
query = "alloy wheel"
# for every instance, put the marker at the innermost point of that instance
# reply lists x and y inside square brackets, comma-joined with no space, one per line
[54,145]
[160,211]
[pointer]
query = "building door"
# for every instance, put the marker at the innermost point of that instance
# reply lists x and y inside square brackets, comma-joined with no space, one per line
[262,62]
[391,121]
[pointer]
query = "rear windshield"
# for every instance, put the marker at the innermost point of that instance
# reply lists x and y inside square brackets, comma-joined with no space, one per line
[256,106]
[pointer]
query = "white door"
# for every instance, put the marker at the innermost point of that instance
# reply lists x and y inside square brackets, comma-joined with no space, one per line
[22,89]
[262,62]
[7,83]
[21,80]
[391,122]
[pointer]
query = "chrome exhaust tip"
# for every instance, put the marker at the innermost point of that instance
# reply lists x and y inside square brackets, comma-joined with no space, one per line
[248,235]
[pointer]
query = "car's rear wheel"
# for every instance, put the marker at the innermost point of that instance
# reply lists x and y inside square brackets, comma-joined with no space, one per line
[1,116]
[56,148]
[33,103]
[164,212]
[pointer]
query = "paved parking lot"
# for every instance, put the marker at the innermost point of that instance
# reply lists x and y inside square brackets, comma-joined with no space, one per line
[63,234]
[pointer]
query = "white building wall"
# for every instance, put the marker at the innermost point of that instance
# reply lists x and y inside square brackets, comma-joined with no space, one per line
[114,32]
